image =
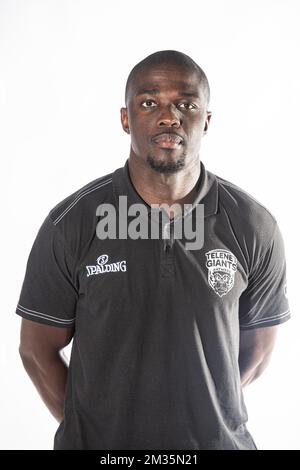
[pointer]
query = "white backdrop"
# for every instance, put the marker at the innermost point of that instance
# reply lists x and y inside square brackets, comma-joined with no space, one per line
[63,67]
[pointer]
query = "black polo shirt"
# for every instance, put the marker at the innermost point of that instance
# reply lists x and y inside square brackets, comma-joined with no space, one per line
[154,361]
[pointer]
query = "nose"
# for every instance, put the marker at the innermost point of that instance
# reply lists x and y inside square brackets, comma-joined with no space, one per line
[169,118]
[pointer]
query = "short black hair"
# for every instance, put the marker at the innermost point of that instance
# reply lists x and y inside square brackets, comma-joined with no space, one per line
[168,56]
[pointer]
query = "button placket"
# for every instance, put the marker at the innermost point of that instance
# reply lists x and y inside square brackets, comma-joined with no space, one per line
[167,262]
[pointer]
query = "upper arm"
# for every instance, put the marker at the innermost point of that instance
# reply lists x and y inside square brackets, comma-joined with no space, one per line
[264,302]
[257,344]
[49,292]
[40,339]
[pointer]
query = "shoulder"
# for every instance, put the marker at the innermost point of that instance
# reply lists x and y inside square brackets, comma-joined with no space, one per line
[83,201]
[246,222]
[243,207]
[73,221]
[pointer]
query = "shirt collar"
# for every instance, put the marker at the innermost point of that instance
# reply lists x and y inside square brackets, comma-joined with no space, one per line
[207,190]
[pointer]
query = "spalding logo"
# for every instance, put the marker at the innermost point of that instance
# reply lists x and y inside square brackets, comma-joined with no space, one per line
[103,267]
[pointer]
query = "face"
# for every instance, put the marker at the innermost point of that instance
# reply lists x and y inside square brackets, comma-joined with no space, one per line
[166,116]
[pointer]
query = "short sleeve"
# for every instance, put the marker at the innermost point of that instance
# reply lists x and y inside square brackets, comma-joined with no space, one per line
[264,302]
[49,293]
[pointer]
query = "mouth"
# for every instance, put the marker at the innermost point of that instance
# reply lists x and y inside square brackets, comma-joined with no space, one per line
[168,140]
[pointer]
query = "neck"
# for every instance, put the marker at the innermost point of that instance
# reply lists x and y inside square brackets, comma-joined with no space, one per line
[159,188]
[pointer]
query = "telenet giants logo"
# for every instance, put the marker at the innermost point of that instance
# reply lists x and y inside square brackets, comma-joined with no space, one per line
[221,265]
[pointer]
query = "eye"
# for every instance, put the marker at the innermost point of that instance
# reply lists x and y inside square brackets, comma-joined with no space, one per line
[149,104]
[189,106]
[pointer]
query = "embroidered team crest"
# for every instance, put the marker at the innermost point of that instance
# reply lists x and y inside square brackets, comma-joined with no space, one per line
[221,265]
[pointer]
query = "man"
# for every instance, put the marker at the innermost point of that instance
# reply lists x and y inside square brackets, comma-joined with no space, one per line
[164,337]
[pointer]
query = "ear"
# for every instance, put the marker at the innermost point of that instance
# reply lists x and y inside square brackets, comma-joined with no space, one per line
[207,120]
[124,120]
